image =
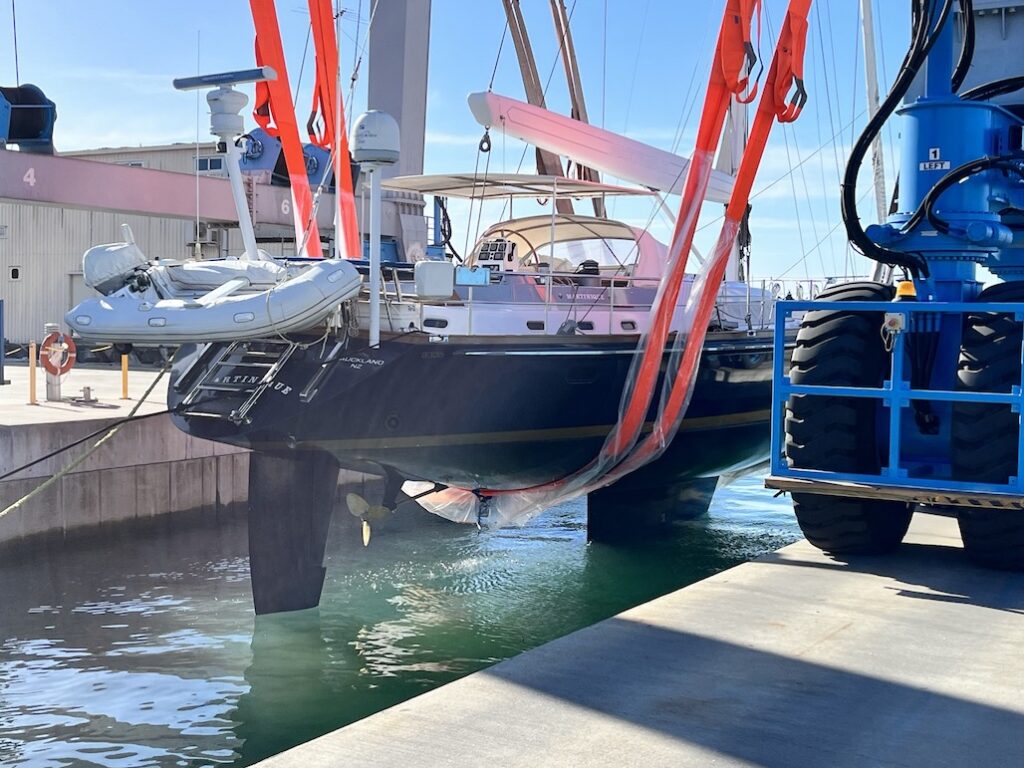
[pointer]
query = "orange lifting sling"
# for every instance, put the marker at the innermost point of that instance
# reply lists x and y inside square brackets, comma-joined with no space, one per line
[274,112]
[326,112]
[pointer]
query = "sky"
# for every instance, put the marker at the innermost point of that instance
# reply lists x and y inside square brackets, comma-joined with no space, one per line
[108,65]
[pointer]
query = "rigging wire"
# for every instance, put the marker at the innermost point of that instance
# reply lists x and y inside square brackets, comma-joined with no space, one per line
[885,79]
[831,109]
[847,261]
[821,165]
[827,237]
[636,65]
[14,25]
[355,37]
[786,175]
[604,61]
[354,78]
[856,60]
[544,93]
[497,57]
[302,66]
[358,54]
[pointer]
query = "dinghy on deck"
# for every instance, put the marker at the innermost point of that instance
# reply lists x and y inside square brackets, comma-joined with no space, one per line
[202,301]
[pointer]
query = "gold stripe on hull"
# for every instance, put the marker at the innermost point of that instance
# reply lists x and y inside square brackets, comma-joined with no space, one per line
[699,424]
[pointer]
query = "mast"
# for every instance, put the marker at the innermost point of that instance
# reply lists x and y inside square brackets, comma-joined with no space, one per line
[734,141]
[572,76]
[548,164]
[881,271]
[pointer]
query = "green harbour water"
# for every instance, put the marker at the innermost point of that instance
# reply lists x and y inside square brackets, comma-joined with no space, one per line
[139,647]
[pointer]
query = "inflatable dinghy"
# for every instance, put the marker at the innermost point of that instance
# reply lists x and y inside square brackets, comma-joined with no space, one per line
[202,301]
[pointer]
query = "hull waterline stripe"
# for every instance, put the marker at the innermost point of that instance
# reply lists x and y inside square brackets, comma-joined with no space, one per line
[699,424]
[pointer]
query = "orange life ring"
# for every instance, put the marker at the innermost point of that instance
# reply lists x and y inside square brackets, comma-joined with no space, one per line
[70,352]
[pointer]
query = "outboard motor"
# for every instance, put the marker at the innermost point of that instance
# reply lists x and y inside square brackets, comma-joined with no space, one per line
[27,118]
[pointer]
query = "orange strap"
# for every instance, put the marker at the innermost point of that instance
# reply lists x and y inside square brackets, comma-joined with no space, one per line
[735,25]
[731,51]
[324,112]
[787,67]
[736,48]
[275,113]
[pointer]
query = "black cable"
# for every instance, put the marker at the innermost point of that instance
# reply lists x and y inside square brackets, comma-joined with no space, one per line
[943,226]
[446,228]
[926,33]
[81,440]
[963,64]
[990,90]
[958,174]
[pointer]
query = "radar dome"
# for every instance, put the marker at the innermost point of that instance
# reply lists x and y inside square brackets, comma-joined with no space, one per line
[375,138]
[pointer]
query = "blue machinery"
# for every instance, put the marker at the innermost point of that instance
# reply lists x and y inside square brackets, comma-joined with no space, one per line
[961,205]
[26,119]
[916,467]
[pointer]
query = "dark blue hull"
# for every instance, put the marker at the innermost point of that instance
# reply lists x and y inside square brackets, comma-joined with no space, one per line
[502,412]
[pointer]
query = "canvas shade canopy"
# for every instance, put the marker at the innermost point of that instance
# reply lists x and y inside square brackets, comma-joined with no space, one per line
[505,185]
[534,237]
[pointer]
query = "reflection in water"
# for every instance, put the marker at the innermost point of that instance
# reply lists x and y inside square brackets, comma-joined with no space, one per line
[143,650]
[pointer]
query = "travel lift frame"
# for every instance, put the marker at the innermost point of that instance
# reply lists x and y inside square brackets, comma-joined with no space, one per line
[913,396]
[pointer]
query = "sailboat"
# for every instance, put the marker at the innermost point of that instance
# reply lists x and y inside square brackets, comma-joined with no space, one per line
[500,373]
[505,371]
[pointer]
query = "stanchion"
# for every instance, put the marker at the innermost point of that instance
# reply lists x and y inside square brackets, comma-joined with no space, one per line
[32,373]
[124,377]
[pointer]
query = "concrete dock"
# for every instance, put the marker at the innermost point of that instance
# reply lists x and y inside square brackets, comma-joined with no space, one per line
[795,659]
[149,468]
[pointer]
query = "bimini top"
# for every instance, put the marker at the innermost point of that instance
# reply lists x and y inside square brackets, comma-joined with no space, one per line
[572,237]
[505,185]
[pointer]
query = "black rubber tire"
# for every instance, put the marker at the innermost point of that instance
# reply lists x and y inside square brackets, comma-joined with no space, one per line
[839,434]
[984,437]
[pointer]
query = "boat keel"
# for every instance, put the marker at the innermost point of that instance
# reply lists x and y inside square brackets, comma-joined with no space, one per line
[628,510]
[291,499]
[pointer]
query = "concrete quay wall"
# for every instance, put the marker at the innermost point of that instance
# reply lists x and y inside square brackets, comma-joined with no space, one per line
[148,468]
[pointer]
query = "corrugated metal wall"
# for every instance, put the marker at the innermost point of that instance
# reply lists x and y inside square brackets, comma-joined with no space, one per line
[43,245]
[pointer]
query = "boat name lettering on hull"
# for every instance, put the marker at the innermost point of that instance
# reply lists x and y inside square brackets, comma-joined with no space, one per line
[359,362]
[277,386]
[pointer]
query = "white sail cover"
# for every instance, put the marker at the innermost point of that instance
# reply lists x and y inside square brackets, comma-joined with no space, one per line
[594,147]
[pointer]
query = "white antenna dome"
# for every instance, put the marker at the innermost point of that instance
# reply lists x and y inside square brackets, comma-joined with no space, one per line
[375,138]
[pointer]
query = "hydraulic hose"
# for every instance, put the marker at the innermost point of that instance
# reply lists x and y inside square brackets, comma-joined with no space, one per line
[927,207]
[926,34]
[990,90]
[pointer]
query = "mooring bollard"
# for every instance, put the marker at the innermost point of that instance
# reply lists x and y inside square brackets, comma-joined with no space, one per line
[53,352]
[3,346]
[124,377]
[32,373]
